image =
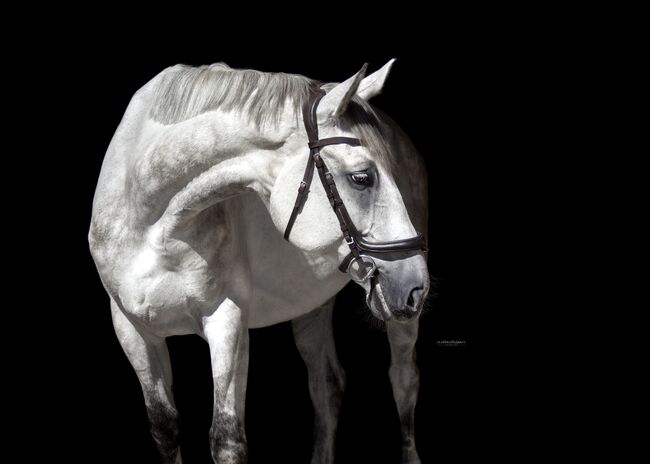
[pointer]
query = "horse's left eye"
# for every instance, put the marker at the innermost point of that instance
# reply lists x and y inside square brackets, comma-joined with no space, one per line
[360,178]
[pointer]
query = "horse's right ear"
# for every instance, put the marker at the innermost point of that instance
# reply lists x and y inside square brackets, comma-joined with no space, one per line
[336,101]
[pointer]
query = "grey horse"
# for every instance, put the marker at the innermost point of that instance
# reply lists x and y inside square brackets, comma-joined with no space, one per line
[194,195]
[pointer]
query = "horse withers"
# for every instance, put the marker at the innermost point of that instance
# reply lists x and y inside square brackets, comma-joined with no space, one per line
[206,221]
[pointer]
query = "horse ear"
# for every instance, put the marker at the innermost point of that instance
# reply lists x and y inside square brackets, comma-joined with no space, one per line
[336,101]
[372,85]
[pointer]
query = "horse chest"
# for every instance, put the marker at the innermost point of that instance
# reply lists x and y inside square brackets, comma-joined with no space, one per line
[169,295]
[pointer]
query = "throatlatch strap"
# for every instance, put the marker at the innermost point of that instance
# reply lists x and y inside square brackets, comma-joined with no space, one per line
[312,135]
[303,190]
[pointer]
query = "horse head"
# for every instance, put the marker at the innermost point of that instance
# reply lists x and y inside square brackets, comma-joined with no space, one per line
[362,220]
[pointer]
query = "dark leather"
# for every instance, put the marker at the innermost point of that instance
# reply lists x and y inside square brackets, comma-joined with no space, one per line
[412,243]
[308,109]
[334,141]
[303,191]
[357,244]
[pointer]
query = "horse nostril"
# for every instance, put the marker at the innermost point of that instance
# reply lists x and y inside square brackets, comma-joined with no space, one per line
[410,302]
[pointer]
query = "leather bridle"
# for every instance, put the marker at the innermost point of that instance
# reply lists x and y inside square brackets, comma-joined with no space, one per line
[358,245]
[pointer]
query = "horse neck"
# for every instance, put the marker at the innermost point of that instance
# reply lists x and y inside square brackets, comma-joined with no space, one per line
[208,159]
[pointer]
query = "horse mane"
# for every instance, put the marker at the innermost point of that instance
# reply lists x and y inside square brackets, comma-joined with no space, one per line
[185,92]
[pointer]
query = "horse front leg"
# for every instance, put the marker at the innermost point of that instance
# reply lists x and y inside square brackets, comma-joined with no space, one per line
[227,334]
[150,359]
[314,338]
[405,380]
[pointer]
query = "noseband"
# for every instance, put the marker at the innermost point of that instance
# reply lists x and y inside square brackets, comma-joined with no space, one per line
[358,245]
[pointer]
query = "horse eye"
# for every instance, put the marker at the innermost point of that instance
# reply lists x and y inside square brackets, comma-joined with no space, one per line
[360,178]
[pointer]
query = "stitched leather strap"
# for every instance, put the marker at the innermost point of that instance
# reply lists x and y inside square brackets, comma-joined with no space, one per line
[413,244]
[334,141]
[303,191]
[308,109]
[347,227]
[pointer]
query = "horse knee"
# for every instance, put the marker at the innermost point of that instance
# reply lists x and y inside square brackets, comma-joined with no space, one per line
[228,440]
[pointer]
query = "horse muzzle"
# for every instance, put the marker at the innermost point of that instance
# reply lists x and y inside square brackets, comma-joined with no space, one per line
[399,293]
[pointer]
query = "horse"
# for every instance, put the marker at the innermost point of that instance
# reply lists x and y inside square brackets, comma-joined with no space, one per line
[197,228]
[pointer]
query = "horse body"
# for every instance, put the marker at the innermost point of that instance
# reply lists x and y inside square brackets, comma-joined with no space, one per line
[186,237]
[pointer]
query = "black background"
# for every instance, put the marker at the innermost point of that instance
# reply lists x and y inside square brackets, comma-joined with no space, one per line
[458,90]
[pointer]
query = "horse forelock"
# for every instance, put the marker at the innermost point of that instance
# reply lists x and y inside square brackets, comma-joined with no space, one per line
[371,130]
